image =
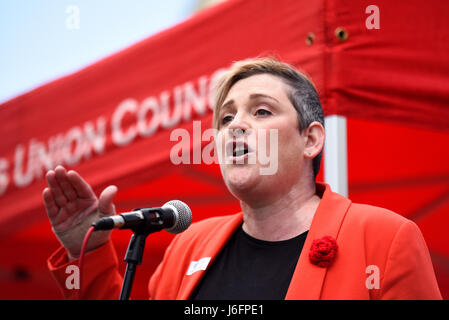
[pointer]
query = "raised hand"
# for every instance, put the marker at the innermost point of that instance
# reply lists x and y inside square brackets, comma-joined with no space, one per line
[72,207]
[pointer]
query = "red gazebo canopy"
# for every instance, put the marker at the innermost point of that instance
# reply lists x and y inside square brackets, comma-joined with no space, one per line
[112,121]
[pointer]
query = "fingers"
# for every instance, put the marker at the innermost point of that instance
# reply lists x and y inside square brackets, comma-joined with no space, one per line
[50,204]
[105,204]
[80,186]
[58,196]
[66,187]
[63,181]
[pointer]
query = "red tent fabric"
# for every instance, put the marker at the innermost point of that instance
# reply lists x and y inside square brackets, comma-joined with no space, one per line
[112,121]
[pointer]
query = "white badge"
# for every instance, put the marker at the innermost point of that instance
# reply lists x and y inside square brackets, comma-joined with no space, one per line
[198,265]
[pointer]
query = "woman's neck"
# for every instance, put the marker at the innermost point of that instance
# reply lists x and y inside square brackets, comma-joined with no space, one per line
[284,218]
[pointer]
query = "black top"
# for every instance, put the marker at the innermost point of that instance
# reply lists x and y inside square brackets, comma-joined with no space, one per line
[249,268]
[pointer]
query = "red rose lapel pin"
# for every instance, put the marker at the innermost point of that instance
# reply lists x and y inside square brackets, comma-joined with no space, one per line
[323,251]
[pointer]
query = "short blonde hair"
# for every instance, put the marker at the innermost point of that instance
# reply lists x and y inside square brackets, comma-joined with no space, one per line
[301,91]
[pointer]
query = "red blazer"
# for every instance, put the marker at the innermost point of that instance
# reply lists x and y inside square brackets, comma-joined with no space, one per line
[381,255]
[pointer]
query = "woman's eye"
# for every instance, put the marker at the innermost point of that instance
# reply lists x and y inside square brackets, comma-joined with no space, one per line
[262,112]
[226,119]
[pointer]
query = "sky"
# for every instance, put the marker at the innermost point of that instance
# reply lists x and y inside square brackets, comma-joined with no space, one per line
[42,40]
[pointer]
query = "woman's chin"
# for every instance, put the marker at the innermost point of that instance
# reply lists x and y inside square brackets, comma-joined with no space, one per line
[241,179]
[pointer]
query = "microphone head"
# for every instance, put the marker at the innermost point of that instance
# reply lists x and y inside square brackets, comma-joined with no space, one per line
[183,216]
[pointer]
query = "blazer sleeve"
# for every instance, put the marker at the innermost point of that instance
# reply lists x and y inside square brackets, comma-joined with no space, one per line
[408,271]
[100,279]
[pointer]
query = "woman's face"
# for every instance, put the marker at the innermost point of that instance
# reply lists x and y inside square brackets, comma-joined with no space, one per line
[257,119]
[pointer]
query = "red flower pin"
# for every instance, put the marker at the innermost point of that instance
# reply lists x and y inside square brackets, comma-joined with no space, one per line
[323,251]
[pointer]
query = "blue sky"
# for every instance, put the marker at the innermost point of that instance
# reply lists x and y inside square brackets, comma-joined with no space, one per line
[41,40]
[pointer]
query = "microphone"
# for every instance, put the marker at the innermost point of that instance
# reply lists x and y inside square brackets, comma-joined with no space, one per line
[174,216]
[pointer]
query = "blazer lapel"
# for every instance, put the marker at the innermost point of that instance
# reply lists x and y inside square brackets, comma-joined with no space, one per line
[308,279]
[211,250]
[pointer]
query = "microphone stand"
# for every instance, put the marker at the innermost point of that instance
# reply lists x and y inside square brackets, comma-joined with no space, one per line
[134,254]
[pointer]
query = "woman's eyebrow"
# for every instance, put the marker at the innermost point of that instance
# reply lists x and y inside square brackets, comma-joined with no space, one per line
[261,95]
[252,96]
[227,104]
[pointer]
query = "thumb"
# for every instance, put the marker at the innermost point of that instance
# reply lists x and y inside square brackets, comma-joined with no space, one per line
[105,204]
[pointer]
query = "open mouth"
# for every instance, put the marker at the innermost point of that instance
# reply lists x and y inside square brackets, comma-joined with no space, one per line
[241,151]
[237,149]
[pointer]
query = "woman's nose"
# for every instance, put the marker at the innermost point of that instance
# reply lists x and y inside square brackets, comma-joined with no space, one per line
[239,125]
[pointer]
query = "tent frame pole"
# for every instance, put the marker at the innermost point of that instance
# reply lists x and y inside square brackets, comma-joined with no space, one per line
[335,154]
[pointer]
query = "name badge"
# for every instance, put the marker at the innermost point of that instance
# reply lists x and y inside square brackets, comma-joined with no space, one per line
[198,265]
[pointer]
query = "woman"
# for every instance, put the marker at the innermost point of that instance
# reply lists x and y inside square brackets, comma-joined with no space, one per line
[294,239]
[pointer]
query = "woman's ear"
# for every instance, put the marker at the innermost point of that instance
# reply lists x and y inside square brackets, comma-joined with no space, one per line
[315,136]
